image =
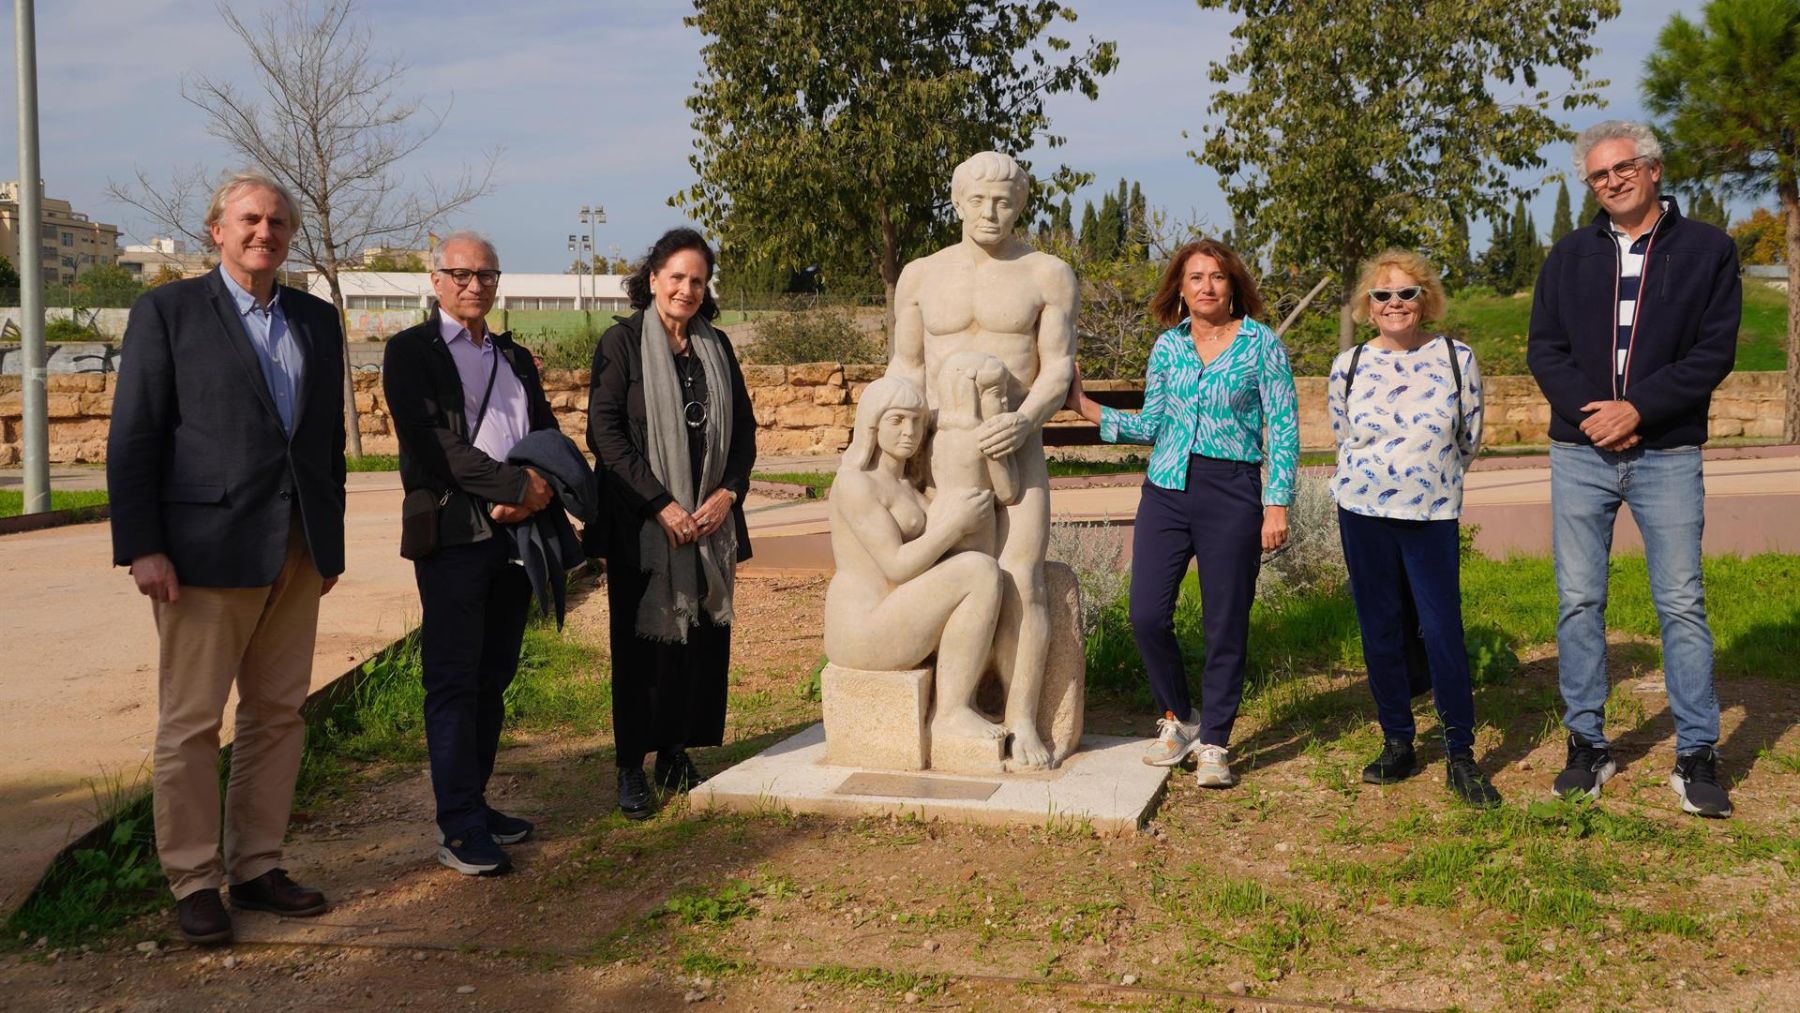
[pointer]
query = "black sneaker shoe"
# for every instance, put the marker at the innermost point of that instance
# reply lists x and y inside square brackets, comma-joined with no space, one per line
[474,853]
[1466,781]
[203,918]
[635,800]
[1696,780]
[1588,767]
[507,829]
[675,772]
[1396,763]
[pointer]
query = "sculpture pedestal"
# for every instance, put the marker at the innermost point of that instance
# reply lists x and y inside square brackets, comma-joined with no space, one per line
[1105,785]
[877,719]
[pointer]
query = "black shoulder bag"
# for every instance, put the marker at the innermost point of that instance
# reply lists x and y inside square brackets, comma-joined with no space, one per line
[420,510]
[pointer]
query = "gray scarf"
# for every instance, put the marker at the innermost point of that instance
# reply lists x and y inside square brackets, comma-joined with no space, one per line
[672,603]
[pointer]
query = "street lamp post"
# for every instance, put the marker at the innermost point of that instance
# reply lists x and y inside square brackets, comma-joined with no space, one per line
[33,396]
[581,245]
[591,217]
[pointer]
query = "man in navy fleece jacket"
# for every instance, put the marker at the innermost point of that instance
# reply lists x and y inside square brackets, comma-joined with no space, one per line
[1633,325]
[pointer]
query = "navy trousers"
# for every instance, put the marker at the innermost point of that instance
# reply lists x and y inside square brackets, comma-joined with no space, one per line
[473,600]
[1216,522]
[1391,561]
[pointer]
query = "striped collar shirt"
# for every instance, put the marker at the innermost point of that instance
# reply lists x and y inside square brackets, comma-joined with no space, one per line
[1633,255]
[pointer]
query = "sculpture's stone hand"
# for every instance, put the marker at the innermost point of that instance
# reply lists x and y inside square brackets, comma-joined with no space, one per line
[1003,434]
[961,510]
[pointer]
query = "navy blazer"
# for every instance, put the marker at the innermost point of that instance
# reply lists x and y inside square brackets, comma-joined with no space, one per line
[198,465]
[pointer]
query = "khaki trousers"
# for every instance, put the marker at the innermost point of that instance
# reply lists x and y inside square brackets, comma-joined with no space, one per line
[261,638]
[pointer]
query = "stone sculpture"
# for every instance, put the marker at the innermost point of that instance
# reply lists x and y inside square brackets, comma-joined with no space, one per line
[940,542]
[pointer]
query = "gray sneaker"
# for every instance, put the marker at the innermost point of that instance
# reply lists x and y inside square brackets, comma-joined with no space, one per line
[1174,740]
[1214,770]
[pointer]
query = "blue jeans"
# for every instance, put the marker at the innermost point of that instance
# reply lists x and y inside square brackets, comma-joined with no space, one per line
[1666,496]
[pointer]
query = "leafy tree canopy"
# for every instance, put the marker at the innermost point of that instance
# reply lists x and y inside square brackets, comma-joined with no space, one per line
[831,125]
[1346,126]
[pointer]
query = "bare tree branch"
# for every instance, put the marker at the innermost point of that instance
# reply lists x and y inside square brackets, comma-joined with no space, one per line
[324,118]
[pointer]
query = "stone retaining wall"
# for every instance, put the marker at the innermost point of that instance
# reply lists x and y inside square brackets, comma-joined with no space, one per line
[809,409]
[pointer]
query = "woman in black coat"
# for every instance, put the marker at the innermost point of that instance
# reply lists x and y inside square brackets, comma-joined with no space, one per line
[670,424]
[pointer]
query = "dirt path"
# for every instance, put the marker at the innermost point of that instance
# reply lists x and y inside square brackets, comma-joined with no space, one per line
[1269,896]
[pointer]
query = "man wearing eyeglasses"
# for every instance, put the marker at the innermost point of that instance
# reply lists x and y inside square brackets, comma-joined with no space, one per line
[1633,325]
[461,396]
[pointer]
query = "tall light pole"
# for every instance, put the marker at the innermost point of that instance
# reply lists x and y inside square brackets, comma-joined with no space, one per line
[577,247]
[591,217]
[34,397]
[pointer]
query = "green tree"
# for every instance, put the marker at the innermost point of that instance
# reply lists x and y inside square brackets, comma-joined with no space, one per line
[1528,252]
[1562,222]
[1090,230]
[105,285]
[1455,259]
[1137,223]
[1728,89]
[1499,265]
[829,125]
[1761,238]
[386,261]
[1590,207]
[1107,229]
[1346,126]
[9,277]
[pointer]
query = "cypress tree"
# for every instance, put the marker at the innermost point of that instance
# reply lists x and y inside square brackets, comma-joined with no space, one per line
[1563,222]
[1140,222]
[1108,227]
[1589,207]
[1090,230]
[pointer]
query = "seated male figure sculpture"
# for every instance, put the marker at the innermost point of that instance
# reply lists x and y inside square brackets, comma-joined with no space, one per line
[992,293]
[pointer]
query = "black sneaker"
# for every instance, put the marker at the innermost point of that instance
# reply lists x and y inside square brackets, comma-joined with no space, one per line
[1696,780]
[474,853]
[675,772]
[1588,767]
[1396,763]
[203,918]
[507,829]
[1466,781]
[635,800]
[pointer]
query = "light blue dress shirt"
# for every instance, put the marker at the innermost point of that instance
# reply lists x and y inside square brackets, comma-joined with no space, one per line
[278,352]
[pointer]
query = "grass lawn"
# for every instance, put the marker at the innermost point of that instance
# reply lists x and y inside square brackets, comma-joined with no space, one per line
[1495,327]
[373,462]
[12,502]
[1301,885]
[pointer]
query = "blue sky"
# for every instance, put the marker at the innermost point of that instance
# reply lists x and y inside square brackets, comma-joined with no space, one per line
[586,101]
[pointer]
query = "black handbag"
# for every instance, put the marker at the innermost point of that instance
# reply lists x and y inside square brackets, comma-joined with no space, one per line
[421,508]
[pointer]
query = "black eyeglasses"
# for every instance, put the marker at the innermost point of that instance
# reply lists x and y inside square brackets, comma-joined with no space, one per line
[1626,171]
[462,276]
[1407,294]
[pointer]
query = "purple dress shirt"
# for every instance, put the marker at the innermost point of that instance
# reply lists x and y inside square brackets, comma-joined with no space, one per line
[508,412]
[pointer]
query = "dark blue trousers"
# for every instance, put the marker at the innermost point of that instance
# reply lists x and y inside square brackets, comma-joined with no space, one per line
[1216,522]
[473,600]
[1387,559]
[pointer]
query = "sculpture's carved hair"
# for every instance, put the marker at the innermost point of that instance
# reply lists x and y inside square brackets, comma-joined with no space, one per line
[988,167]
[879,397]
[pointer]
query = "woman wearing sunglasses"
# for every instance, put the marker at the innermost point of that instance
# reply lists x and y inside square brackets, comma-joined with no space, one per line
[1406,412]
[1216,377]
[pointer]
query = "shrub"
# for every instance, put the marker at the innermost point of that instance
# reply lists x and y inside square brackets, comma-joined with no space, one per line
[64,330]
[819,334]
[1094,552]
[1313,562]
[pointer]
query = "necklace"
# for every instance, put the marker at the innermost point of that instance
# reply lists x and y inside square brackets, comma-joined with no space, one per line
[693,412]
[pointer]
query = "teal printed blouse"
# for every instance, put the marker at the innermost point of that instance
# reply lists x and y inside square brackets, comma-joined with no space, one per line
[1217,410]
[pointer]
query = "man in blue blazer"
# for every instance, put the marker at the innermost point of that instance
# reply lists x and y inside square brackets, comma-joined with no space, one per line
[225,471]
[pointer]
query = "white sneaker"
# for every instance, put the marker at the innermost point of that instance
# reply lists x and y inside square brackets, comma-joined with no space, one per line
[1174,741]
[1214,771]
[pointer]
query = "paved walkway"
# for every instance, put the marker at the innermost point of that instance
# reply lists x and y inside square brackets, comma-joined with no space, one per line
[77,661]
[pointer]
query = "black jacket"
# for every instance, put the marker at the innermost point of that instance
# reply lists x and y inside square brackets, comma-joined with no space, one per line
[425,399]
[617,434]
[546,543]
[1687,312]
[198,465]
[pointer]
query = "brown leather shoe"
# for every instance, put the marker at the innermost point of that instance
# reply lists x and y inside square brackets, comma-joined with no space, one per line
[274,891]
[203,918]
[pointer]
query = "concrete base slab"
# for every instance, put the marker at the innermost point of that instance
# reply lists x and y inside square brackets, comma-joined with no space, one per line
[1104,784]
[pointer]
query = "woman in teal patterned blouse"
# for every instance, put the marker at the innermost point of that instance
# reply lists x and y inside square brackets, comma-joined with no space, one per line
[1216,377]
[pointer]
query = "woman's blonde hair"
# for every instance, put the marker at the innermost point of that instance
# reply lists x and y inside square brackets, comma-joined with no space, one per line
[1414,266]
[877,398]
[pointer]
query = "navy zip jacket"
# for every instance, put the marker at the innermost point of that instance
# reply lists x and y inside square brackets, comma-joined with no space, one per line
[1688,308]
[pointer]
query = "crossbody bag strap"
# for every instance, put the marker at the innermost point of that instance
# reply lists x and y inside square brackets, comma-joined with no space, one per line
[1456,378]
[481,413]
[1350,374]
